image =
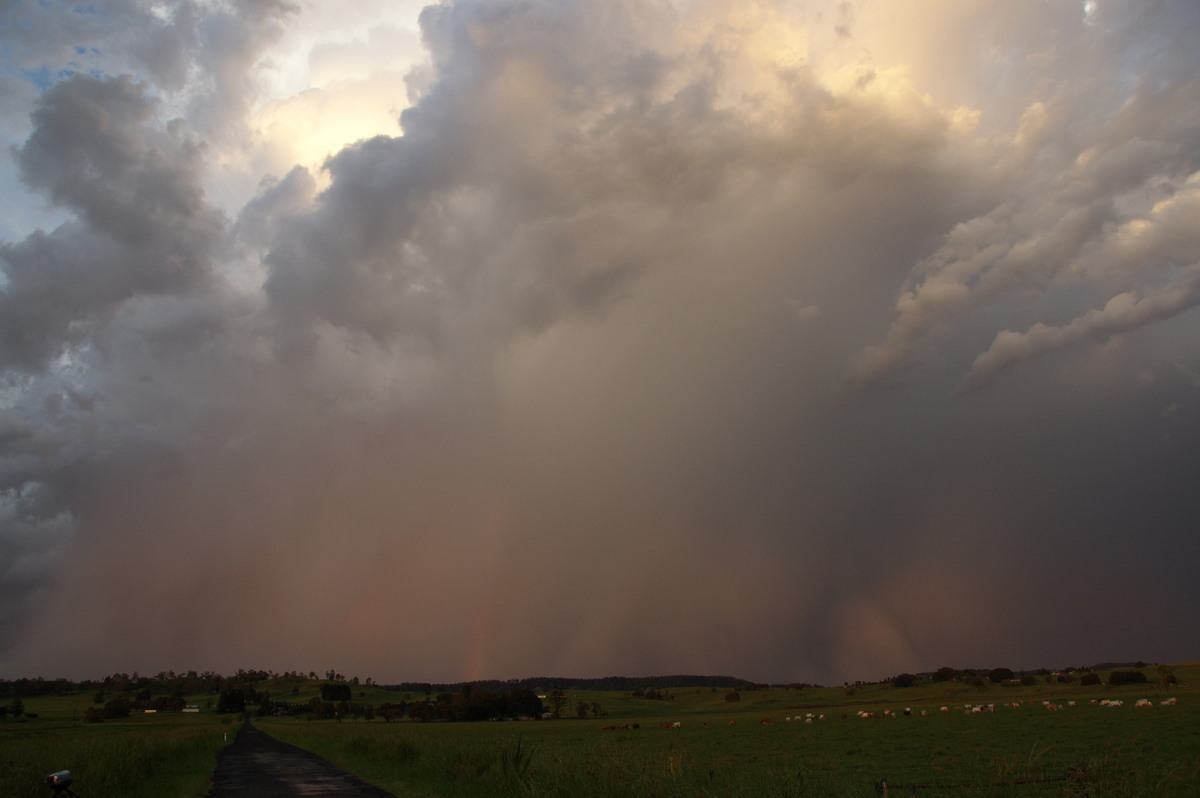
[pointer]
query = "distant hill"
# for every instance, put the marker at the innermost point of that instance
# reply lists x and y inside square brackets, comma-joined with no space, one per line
[618,683]
[1112,666]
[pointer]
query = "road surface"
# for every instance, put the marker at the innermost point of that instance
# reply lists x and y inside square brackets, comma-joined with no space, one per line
[258,765]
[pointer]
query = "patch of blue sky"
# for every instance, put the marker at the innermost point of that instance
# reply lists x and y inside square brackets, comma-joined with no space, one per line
[44,77]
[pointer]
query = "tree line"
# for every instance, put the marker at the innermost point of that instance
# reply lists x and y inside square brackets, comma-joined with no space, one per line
[194,682]
[1131,674]
[619,684]
[469,703]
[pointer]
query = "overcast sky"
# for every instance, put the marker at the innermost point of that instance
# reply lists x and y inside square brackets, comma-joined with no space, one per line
[787,340]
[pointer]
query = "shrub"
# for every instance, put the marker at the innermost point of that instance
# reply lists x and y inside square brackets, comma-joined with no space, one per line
[118,708]
[1127,677]
[1089,679]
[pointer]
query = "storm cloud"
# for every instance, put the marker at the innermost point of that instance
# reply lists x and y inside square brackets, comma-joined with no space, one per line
[798,341]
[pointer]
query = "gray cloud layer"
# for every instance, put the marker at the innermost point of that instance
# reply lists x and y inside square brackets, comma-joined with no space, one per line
[642,347]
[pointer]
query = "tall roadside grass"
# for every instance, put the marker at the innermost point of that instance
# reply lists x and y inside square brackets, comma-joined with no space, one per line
[132,760]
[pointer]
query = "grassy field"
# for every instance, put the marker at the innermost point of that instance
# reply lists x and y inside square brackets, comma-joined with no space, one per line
[720,748]
[144,756]
[1086,749]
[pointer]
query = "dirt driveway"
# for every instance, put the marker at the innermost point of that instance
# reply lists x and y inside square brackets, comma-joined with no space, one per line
[258,765]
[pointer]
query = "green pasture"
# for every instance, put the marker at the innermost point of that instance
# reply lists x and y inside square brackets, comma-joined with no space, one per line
[721,747]
[1086,749]
[144,756]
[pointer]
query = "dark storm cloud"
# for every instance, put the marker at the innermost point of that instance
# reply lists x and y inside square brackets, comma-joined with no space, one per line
[143,226]
[465,210]
[636,350]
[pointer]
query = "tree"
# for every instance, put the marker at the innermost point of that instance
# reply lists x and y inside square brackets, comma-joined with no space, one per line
[521,702]
[118,708]
[905,680]
[232,700]
[581,709]
[997,675]
[1127,677]
[335,692]
[558,700]
[733,695]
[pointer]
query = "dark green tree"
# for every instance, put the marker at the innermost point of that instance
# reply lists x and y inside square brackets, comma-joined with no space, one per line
[997,675]
[1127,677]
[335,692]
[232,700]
[118,708]
[558,700]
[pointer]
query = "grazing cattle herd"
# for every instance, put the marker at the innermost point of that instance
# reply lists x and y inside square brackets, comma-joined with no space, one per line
[969,709]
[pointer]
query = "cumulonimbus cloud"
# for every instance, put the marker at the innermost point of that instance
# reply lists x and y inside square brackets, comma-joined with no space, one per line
[546,360]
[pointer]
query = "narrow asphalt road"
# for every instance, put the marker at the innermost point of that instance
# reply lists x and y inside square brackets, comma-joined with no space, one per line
[258,765]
